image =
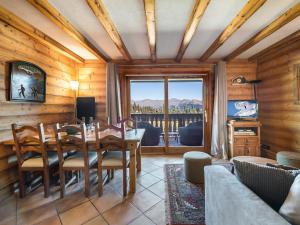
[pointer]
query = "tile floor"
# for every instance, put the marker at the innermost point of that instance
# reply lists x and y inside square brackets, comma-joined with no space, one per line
[145,207]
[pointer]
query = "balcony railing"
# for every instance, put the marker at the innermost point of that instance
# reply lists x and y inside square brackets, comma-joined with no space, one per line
[175,120]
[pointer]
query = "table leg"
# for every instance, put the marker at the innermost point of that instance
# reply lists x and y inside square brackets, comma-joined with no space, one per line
[132,169]
[139,158]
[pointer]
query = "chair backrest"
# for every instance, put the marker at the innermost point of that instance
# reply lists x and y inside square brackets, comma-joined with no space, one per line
[27,141]
[110,137]
[71,138]
[102,123]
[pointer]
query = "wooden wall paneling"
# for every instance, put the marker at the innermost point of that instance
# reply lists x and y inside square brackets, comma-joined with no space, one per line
[15,45]
[240,92]
[26,28]
[278,111]
[92,82]
[165,69]
[56,17]
[59,105]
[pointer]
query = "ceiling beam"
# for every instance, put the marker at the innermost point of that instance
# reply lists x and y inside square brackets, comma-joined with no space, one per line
[101,13]
[285,43]
[149,6]
[22,26]
[247,11]
[50,12]
[285,18]
[198,11]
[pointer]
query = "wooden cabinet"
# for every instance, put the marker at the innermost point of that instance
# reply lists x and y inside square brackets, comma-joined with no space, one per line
[244,138]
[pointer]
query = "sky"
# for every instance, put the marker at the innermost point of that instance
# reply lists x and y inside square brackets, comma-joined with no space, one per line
[155,90]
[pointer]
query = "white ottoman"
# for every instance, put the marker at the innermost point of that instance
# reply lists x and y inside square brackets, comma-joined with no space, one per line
[194,163]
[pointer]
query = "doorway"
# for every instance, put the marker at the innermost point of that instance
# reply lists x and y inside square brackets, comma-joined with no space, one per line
[173,110]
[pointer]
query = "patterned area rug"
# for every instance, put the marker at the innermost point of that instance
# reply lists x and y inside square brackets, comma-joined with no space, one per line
[184,200]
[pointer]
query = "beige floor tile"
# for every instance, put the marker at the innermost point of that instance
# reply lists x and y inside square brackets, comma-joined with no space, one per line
[70,201]
[34,200]
[144,200]
[36,215]
[160,163]
[142,220]
[157,213]
[159,173]
[119,187]
[54,220]
[96,221]
[147,180]
[94,190]
[159,189]
[79,214]
[121,214]
[149,167]
[75,208]
[141,173]
[107,201]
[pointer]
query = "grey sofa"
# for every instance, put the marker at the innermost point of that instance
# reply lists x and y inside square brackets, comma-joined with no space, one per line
[229,202]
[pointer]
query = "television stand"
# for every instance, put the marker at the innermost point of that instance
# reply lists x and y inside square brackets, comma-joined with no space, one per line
[244,138]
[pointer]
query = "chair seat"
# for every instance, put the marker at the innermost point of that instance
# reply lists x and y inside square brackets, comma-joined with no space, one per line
[114,159]
[37,161]
[77,160]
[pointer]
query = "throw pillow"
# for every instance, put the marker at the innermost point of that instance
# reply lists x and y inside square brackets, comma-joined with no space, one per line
[271,184]
[290,209]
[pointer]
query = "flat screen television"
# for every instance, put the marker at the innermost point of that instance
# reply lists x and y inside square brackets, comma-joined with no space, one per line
[86,107]
[239,109]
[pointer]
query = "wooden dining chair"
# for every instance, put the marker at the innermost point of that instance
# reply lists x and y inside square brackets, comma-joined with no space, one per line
[72,138]
[32,155]
[112,153]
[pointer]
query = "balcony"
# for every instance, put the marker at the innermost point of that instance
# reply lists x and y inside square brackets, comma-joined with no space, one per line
[182,128]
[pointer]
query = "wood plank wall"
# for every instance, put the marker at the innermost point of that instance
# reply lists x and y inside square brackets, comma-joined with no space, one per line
[278,112]
[58,107]
[92,82]
[246,69]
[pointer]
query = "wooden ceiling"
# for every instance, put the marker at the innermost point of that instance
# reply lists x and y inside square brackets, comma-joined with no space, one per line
[141,30]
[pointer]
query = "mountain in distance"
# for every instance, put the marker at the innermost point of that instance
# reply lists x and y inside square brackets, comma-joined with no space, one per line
[173,102]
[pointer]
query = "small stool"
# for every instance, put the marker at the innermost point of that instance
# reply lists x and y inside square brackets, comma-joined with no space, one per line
[194,163]
[286,158]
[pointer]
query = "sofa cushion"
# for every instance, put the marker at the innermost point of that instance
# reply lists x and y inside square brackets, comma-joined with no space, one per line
[290,209]
[271,184]
[229,202]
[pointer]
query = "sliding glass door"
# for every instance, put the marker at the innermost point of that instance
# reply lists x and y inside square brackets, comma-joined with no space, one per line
[147,108]
[171,110]
[185,112]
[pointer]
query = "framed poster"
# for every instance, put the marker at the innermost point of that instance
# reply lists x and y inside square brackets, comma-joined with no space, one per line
[27,82]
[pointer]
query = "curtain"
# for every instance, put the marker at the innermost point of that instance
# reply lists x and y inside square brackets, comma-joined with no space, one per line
[219,146]
[113,94]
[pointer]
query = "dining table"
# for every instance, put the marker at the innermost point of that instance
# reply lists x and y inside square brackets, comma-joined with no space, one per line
[133,139]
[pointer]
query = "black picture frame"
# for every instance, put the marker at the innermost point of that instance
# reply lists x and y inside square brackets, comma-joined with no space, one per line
[27,82]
